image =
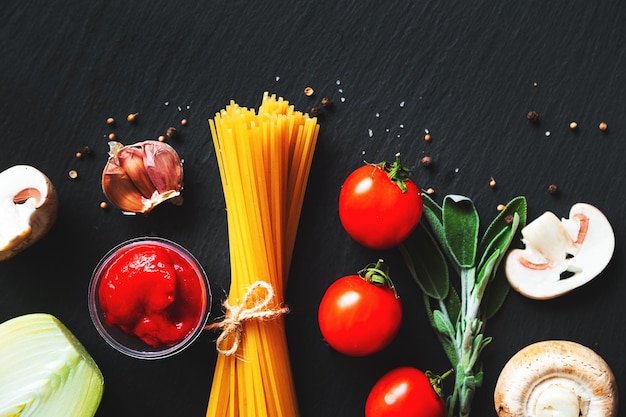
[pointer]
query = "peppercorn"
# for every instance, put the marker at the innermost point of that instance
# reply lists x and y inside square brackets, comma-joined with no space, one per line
[553,189]
[171,132]
[533,116]
[326,102]
[315,111]
[427,161]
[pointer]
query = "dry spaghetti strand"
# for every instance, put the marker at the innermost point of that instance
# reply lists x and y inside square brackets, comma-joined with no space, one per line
[264,159]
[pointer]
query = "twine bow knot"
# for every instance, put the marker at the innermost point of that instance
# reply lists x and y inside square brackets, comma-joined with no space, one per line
[232,324]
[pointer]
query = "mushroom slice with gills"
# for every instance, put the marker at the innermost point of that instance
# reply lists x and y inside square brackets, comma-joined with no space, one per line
[561,255]
[28,208]
[556,378]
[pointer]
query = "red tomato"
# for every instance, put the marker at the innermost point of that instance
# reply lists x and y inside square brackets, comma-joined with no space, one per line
[404,392]
[357,317]
[379,206]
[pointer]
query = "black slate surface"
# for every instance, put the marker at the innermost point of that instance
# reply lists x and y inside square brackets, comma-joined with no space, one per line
[465,71]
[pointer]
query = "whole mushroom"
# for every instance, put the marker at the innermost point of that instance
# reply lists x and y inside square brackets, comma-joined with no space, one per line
[28,208]
[561,255]
[556,378]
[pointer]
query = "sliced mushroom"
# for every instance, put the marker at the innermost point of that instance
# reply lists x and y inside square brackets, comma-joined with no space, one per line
[556,378]
[28,208]
[561,255]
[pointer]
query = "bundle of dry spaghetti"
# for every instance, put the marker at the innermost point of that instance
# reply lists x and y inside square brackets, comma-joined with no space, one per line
[264,160]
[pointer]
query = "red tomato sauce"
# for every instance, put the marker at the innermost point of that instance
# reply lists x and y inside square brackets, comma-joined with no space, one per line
[153,293]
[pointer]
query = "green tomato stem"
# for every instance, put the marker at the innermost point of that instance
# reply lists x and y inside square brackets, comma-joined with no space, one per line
[396,172]
[378,274]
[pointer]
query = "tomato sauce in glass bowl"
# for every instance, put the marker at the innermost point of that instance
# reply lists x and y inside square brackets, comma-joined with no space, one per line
[149,298]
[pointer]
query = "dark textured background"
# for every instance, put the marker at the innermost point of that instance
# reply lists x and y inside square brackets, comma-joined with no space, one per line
[464,70]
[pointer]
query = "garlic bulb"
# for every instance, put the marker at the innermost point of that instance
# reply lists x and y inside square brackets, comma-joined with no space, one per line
[138,177]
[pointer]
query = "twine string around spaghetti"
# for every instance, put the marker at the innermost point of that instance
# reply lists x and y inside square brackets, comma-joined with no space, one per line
[235,316]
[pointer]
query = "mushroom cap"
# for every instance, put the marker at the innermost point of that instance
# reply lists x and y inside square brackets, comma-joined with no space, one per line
[580,246]
[556,377]
[28,208]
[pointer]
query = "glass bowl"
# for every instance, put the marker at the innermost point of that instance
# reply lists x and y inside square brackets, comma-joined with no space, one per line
[144,308]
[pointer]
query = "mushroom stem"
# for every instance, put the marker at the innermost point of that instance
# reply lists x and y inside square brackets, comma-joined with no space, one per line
[28,208]
[557,400]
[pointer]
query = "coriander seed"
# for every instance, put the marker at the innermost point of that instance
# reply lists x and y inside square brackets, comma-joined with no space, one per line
[73,174]
[308,91]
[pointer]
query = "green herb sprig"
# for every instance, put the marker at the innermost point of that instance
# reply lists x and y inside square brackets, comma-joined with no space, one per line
[451,237]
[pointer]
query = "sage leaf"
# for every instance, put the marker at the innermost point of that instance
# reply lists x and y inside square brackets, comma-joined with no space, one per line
[452,305]
[426,264]
[449,346]
[442,324]
[500,242]
[495,294]
[502,221]
[432,213]
[485,274]
[460,224]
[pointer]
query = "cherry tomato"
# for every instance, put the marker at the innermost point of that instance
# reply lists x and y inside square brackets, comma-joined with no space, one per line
[379,206]
[360,314]
[404,392]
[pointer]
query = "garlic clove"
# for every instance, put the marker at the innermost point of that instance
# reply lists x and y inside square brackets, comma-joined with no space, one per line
[158,158]
[139,177]
[130,159]
[121,191]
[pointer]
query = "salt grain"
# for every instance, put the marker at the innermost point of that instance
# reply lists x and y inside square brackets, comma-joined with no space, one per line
[370,132]
[547,133]
[402,104]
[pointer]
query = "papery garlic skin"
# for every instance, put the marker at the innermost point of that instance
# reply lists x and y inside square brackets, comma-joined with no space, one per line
[139,177]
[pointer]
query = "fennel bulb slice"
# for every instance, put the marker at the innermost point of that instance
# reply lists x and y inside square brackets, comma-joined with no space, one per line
[45,371]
